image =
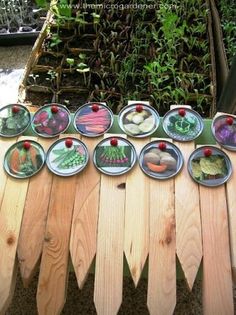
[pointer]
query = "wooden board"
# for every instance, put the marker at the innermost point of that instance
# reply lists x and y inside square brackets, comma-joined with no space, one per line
[217,279]
[4,145]
[110,243]
[34,220]
[10,221]
[52,282]
[188,222]
[231,201]
[83,241]
[162,268]
[136,239]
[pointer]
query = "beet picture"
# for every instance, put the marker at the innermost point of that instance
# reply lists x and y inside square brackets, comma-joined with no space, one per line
[224,131]
[51,120]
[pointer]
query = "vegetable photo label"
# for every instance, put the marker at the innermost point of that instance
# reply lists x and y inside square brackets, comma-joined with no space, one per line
[114,156]
[138,120]
[93,119]
[224,131]
[160,160]
[24,159]
[51,120]
[14,120]
[209,166]
[182,124]
[67,157]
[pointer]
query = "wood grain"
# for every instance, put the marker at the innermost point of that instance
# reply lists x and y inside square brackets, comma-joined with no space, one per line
[217,278]
[10,221]
[231,201]
[162,266]
[110,244]
[52,282]
[4,145]
[34,220]
[83,241]
[136,239]
[188,222]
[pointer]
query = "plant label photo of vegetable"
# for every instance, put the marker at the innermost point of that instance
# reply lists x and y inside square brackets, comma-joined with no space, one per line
[24,159]
[114,156]
[183,124]
[51,120]
[93,119]
[160,159]
[67,157]
[14,120]
[224,130]
[209,166]
[138,120]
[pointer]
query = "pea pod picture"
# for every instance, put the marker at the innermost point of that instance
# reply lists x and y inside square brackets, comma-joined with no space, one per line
[67,157]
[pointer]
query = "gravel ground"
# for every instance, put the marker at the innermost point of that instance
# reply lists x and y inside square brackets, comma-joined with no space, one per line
[81,302]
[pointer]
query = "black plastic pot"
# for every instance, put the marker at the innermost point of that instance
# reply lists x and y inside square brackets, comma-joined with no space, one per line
[20,38]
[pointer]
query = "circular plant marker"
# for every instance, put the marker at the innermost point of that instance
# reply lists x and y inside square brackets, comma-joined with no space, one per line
[183,124]
[138,120]
[114,156]
[160,159]
[209,166]
[93,119]
[14,120]
[224,130]
[51,120]
[67,157]
[24,159]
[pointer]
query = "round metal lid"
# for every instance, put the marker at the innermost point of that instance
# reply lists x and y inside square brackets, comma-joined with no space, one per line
[209,166]
[224,130]
[14,120]
[138,120]
[67,156]
[93,119]
[51,120]
[160,159]
[24,159]
[114,156]
[183,124]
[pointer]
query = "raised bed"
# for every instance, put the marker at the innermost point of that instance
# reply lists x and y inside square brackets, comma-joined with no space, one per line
[20,22]
[114,56]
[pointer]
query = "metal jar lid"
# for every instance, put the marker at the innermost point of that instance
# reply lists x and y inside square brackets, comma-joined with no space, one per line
[93,119]
[161,159]
[138,120]
[209,166]
[24,159]
[14,120]
[224,131]
[114,156]
[51,120]
[67,157]
[183,124]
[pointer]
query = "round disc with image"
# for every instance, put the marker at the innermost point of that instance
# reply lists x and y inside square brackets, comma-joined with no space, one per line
[93,119]
[138,120]
[67,156]
[209,166]
[114,156]
[14,120]
[183,124]
[51,120]
[224,130]
[24,159]
[161,159]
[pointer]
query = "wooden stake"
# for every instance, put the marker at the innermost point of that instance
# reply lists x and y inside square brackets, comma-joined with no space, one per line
[83,242]
[34,220]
